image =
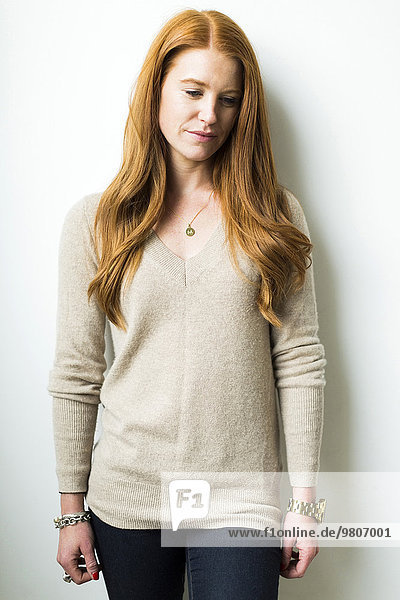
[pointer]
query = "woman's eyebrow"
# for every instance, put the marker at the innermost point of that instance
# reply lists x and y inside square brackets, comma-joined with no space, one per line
[191,80]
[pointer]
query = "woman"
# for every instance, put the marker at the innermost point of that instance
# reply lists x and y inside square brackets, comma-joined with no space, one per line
[197,259]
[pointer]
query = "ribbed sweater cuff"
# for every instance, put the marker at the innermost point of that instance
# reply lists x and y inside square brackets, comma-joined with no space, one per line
[74,425]
[302,411]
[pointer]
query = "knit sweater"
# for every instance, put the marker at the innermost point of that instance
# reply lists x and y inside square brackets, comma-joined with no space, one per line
[195,386]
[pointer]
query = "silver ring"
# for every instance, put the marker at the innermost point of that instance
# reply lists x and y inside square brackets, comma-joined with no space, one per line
[67,578]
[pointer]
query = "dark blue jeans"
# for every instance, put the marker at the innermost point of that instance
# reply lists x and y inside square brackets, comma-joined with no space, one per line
[136,566]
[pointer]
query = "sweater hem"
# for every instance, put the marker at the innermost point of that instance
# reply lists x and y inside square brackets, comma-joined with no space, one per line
[139,505]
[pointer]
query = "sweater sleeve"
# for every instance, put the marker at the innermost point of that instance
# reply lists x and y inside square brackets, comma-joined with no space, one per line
[298,359]
[77,375]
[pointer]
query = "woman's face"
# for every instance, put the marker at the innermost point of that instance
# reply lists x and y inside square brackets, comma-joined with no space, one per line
[210,104]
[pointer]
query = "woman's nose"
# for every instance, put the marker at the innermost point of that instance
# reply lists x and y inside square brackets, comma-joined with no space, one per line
[208,110]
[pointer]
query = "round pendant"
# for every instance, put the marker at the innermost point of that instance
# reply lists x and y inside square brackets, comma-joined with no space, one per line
[190,231]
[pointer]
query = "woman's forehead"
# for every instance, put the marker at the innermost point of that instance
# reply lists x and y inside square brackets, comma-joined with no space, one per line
[205,66]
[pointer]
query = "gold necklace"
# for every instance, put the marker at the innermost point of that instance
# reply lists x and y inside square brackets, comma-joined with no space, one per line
[189,229]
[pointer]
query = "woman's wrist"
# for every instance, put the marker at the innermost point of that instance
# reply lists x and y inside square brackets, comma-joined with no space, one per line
[307,494]
[71,502]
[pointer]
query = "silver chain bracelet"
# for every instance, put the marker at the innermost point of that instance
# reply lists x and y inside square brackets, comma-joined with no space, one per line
[71,519]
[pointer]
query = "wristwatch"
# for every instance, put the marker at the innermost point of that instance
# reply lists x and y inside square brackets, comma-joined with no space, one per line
[310,509]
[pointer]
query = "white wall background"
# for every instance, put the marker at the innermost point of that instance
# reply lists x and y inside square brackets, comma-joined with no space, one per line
[331,74]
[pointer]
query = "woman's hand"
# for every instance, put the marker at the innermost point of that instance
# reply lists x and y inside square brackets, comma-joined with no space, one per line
[307,546]
[76,552]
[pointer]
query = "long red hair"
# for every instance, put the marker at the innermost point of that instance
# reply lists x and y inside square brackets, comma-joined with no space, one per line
[254,205]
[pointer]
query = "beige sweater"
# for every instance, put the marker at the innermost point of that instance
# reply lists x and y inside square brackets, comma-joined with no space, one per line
[192,388]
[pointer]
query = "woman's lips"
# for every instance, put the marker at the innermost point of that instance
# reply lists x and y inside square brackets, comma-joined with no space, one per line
[202,138]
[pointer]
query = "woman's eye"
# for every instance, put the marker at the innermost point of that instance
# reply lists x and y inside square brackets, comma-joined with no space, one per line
[194,94]
[230,101]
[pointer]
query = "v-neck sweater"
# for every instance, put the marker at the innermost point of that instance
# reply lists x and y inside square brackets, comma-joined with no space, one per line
[195,388]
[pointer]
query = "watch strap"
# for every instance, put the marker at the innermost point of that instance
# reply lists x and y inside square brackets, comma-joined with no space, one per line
[310,509]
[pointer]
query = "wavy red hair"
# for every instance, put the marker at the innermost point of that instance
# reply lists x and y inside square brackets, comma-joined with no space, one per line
[254,205]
